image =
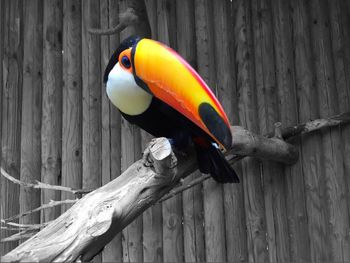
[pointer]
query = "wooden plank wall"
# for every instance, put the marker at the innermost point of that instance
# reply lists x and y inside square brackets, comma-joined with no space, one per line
[11,109]
[266,60]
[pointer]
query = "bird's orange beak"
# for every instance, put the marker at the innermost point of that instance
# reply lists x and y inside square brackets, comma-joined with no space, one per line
[171,79]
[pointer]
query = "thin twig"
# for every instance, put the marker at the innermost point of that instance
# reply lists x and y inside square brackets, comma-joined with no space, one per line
[40,185]
[25,226]
[19,236]
[11,228]
[45,206]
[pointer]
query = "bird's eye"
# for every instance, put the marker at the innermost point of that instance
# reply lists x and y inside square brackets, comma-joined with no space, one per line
[126,62]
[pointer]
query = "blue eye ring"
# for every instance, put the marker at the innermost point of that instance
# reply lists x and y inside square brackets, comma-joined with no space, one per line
[126,62]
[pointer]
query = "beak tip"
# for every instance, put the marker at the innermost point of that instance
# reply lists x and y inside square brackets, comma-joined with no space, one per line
[215,124]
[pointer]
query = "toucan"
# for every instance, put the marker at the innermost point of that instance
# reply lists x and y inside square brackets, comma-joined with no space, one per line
[156,89]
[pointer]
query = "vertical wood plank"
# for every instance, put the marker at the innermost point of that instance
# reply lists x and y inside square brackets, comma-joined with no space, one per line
[345,15]
[340,35]
[11,112]
[192,201]
[273,175]
[310,145]
[91,85]
[336,205]
[110,117]
[51,129]
[31,108]
[91,76]
[246,93]
[151,6]
[285,76]
[153,234]
[213,196]
[131,151]
[173,250]
[166,18]
[2,36]
[72,99]
[234,214]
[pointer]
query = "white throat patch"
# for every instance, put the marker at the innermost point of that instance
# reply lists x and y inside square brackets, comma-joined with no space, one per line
[125,94]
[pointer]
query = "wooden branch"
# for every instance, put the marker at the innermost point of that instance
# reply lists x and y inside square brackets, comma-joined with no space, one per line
[94,220]
[26,230]
[286,133]
[18,236]
[51,204]
[24,226]
[246,143]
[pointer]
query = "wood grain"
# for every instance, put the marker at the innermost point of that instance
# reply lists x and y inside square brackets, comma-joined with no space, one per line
[287,102]
[266,60]
[153,234]
[248,116]
[340,36]
[273,174]
[345,21]
[2,36]
[51,129]
[310,145]
[91,92]
[336,205]
[110,117]
[151,7]
[227,94]
[99,215]
[213,194]
[91,80]
[72,99]
[11,111]
[329,74]
[31,108]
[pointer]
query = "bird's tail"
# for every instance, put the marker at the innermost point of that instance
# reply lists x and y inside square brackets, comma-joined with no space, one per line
[211,160]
